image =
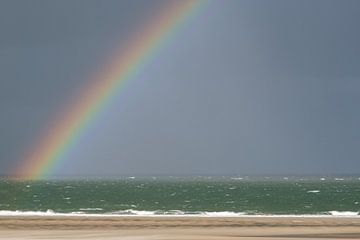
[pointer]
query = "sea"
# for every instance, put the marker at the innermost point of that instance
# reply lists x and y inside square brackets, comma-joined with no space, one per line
[222,196]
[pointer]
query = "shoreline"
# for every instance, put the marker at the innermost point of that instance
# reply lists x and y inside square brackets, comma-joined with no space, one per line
[175,214]
[134,227]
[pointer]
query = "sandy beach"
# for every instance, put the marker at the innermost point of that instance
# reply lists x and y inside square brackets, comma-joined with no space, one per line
[15,227]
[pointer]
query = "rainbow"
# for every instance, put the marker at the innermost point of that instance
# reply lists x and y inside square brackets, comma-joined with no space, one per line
[66,129]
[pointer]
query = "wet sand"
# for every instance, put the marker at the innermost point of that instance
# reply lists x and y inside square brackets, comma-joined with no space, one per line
[131,228]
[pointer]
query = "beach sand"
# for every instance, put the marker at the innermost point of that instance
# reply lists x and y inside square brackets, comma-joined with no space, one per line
[131,228]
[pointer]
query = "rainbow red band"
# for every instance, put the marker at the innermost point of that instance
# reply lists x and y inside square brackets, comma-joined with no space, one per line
[66,130]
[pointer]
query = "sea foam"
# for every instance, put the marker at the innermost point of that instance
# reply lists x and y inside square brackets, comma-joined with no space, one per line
[171,213]
[313,191]
[344,213]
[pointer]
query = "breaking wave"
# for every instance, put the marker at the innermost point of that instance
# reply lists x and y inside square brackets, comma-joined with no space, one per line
[172,213]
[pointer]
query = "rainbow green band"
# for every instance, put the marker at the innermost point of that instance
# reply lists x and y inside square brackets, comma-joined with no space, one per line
[66,129]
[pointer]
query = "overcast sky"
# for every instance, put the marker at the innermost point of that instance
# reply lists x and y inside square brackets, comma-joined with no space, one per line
[244,87]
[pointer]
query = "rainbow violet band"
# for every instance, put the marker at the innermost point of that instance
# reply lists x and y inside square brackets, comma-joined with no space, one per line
[66,129]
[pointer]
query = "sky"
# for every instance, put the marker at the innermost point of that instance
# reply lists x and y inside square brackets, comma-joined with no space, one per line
[242,87]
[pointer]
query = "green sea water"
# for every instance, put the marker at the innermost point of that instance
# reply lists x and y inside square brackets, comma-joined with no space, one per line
[188,195]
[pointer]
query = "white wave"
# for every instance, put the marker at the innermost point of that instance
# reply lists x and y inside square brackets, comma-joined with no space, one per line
[48,213]
[173,213]
[123,213]
[224,214]
[313,191]
[344,213]
[131,212]
[237,178]
[26,213]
